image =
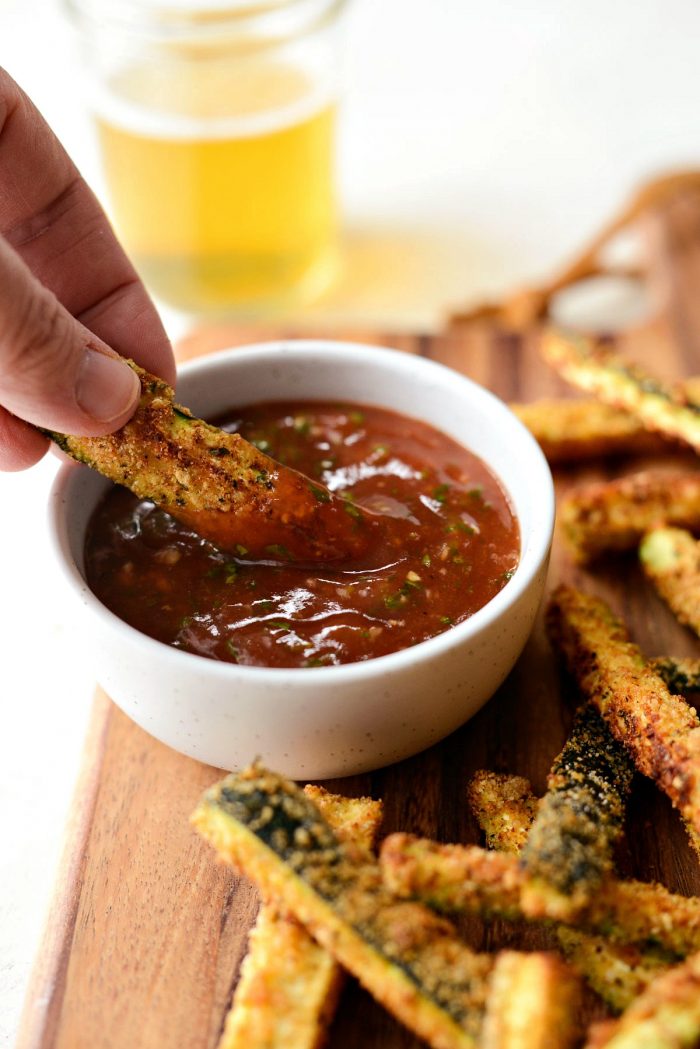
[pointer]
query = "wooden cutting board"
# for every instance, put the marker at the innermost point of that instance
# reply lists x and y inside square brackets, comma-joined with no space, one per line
[147,930]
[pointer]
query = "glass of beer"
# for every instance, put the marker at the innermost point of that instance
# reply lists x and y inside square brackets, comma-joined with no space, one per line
[216,127]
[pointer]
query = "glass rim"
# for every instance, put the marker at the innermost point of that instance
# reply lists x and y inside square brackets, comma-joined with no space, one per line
[169,19]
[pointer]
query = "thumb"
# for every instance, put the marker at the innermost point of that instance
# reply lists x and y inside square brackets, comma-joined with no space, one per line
[53,371]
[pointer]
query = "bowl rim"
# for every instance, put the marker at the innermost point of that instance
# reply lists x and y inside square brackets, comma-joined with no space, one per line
[538,547]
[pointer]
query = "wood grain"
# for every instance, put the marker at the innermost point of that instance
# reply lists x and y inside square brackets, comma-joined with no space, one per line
[147,931]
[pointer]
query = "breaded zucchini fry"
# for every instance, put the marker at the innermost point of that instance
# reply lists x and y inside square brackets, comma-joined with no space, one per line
[568,851]
[466,878]
[617,972]
[680,675]
[568,431]
[532,1003]
[407,957]
[660,731]
[665,1016]
[610,516]
[289,985]
[670,559]
[504,807]
[218,484]
[599,370]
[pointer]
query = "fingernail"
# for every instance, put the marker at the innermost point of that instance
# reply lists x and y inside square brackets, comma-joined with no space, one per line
[106,387]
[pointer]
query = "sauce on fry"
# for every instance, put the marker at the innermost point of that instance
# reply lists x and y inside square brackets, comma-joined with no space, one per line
[449,544]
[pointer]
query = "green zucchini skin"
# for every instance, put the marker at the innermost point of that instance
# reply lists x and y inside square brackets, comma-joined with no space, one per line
[616,972]
[220,485]
[409,958]
[680,675]
[569,849]
[660,732]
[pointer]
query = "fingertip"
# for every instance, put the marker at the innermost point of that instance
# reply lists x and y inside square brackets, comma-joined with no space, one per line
[107,390]
[21,445]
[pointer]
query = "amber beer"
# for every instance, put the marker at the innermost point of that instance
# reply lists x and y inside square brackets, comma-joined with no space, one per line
[221,181]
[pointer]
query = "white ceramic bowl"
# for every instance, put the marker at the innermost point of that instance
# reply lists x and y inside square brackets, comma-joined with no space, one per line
[326,721]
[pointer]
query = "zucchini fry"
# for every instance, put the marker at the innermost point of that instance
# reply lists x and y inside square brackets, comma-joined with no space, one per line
[609,516]
[599,370]
[670,559]
[407,957]
[617,972]
[504,807]
[466,878]
[218,484]
[665,1016]
[531,1003]
[680,675]
[569,431]
[568,851]
[660,731]
[289,985]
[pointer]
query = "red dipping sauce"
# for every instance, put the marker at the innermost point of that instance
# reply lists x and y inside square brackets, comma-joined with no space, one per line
[451,543]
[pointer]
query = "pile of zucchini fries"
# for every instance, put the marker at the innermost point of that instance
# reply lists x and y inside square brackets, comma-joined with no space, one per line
[330,905]
[635,413]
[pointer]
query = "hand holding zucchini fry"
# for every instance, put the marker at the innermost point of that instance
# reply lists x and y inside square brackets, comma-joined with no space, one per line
[568,851]
[660,731]
[288,986]
[220,485]
[610,516]
[670,559]
[598,369]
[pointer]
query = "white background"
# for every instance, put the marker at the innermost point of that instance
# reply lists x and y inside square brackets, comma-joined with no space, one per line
[481,143]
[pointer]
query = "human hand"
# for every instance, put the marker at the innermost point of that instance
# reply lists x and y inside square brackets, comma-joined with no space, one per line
[70,300]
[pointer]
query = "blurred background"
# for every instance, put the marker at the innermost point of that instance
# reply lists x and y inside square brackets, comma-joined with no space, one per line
[478,145]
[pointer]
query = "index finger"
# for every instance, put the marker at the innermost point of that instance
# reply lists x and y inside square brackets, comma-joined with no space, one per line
[53,220]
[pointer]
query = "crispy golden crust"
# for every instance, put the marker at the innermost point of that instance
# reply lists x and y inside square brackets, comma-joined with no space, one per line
[670,558]
[504,807]
[569,849]
[353,819]
[532,1003]
[660,731]
[406,956]
[610,516]
[617,972]
[289,985]
[665,1016]
[597,369]
[569,431]
[466,878]
[287,991]
[218,484]
[680,675]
